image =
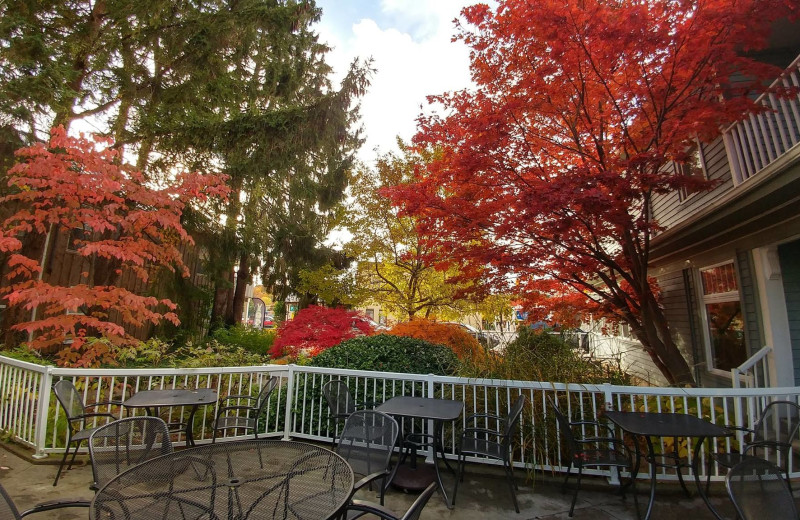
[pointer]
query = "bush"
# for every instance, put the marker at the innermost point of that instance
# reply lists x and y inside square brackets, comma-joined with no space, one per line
[315,329]
[461,342]
[540,356]
[389,353]
[255,341]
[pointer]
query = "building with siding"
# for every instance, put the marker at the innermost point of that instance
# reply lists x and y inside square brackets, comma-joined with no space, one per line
[728,260]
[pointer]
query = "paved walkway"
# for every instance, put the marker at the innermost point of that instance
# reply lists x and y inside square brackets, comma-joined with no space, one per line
[483,495]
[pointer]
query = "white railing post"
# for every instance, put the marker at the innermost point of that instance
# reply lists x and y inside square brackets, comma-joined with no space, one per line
[287,424]
[608,399]
[43,406]
[429,382]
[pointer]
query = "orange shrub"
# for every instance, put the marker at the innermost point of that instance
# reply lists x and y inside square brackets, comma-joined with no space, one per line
[461,342]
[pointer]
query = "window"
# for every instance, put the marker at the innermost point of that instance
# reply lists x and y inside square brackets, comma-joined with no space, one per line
[694,165]
[723,317]
[76,236]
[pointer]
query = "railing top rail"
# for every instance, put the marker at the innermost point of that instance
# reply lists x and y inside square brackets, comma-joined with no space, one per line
[25,364]
[133,372]
[523,385]
[362,373]
[755,358]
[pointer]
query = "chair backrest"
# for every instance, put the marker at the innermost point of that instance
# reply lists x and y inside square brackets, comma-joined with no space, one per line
[778,423]
[514,415]
[757,490]
[70,399]
[124,443]
[564,426]
[338,397]
[7,507]
[367,441]
[266,390]
[419,504]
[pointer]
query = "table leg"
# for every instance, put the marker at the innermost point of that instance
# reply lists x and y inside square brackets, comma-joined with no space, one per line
[189,424]
[651,458]
[696,471]
[438,444]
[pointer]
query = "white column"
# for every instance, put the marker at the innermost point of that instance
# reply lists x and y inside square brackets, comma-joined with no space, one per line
[773,314]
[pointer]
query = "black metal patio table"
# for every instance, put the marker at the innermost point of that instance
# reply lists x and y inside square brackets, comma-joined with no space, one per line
[650,425]
[253,479]
[152,400]
[437,410]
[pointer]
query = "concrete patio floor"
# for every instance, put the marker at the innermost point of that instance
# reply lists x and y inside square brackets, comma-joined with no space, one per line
[483,495]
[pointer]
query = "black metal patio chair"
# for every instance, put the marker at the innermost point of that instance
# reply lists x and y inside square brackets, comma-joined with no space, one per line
[9,511]
[77,413]
[367,443]
[358,508]
[229,416]
[592,451]
[758,491]
[494,443]
[340,404]
[776,428]
[125,443]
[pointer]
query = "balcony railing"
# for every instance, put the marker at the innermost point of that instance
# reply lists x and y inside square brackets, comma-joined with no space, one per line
[759,140]
[297,410]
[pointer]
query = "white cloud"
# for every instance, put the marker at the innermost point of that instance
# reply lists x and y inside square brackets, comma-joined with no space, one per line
[410,42]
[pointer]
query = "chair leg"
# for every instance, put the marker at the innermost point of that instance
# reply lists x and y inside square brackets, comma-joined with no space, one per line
[459,476]
[63,460]
[511,483]
[566,478]
[577,487]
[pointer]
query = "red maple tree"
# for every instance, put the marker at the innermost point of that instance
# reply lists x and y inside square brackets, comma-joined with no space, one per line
[129,226]
[548,168]
[316,329]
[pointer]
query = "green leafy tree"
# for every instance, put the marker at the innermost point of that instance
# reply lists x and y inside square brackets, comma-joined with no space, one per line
[398,267]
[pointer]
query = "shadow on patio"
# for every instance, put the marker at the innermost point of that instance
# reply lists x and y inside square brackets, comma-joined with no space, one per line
[484,495]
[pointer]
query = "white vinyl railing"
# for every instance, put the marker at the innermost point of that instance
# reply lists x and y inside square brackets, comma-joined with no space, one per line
[762,138]
[754,372]
[297,409]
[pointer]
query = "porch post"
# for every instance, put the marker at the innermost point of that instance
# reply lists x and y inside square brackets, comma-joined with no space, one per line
[43,406]
[287,423]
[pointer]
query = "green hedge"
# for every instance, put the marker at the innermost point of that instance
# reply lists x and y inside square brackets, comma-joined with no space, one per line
[385,353]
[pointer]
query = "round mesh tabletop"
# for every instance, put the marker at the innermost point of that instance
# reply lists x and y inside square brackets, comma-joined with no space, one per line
[257,479]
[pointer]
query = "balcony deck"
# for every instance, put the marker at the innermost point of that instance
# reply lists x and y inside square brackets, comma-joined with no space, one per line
[484,495]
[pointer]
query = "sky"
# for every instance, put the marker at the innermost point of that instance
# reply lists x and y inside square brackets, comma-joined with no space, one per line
[410,43]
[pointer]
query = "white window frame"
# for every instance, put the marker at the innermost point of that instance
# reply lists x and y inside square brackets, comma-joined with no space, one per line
[703,299]
[680,169]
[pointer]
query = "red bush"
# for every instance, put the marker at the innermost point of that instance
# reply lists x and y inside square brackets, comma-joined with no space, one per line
[316,328]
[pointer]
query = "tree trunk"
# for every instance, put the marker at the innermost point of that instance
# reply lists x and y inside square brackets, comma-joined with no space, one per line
[652,331]
[242,279]
[221,291]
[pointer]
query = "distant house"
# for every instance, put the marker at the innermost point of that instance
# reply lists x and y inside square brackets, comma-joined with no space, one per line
[728,262]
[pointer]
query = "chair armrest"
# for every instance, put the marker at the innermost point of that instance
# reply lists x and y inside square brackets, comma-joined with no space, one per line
[92,414]
[372,477]
[249,397]
[595,424]
[775,445]
[481,431]
[55,504]
[236,407]
[607,440]
[372,508]
[484,416]
[100,403]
